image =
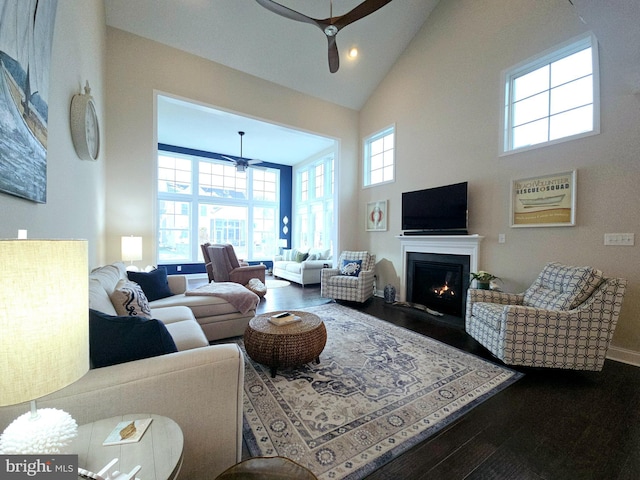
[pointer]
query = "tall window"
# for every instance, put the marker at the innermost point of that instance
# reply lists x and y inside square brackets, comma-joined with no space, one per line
[206,200]
[379,157]
[313,208]
[552,98]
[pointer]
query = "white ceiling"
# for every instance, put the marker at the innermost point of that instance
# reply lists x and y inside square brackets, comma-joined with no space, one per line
[187,124]
[245,36]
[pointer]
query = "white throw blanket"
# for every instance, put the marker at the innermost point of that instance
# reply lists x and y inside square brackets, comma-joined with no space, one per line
[234,293]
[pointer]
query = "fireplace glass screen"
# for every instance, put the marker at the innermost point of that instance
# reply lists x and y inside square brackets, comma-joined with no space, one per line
[438,282]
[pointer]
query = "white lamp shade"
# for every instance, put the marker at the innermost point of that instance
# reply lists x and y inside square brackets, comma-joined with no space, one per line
[44,317]
[131,249]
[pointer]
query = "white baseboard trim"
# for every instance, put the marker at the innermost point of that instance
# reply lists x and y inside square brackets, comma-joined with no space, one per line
[618,354]
[623,355]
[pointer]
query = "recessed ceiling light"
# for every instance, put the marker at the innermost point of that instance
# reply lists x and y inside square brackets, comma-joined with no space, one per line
[353,53]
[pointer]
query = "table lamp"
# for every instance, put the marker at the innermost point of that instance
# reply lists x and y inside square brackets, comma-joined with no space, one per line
[44,345]
[131,251]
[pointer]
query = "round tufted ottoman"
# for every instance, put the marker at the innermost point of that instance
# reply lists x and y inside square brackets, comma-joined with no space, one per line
[289,345]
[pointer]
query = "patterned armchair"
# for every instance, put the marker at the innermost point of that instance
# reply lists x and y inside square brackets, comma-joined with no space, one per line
[564,320]
[352,280]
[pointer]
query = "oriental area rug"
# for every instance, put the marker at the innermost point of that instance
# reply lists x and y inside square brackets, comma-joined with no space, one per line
[379,390]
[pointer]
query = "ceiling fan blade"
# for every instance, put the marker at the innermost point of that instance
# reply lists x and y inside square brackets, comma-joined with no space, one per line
[365,8]
[229,158]
[287,12]
[334,59]
[255,161]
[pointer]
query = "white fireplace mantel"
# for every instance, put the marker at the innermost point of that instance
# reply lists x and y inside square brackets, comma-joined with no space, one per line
[445,244]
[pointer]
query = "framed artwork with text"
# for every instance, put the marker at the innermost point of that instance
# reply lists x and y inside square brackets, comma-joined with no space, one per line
[545,201]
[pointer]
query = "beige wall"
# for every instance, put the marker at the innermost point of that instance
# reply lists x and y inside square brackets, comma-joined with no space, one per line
[444,96]
[137,68]
[75,188]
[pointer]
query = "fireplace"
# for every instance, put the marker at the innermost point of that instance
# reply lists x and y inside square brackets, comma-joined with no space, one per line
[457,254]
[438,281]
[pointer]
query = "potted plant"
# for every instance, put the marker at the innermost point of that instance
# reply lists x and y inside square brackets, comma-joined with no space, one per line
[483,279]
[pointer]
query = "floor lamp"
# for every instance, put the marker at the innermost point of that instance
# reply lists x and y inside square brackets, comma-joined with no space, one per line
[44,346]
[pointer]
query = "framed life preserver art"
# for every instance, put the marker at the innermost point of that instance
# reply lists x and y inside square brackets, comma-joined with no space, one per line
[376,216]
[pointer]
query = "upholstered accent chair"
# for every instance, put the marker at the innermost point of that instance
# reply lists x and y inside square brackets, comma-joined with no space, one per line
[565,319]
[223,265]
[352,280]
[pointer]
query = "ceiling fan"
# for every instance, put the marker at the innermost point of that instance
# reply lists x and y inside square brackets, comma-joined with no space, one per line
[330,26]
[241,163]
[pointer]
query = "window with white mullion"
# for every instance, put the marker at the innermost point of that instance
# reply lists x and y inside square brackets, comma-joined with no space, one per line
[379,157]
[313,210]
[552,98]
[207,200]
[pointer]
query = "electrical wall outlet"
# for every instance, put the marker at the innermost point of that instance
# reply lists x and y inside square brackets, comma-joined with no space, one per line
[179,268]
[619,239]
[501,238]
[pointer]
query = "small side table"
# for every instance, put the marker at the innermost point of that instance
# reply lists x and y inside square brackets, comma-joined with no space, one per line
[159,452]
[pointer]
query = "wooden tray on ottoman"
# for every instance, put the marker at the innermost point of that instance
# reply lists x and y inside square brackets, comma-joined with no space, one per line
[288,345]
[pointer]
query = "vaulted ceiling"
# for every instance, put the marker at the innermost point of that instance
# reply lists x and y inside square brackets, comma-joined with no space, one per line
[245,36]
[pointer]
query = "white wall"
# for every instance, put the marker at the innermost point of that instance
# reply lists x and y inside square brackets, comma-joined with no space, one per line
[75,188]
[444,95]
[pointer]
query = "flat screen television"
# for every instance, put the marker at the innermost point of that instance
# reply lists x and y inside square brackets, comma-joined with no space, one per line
[439,210]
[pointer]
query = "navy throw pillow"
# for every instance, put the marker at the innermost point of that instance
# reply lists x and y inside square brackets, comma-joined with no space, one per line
[351,268]
[114,340]
[154,284]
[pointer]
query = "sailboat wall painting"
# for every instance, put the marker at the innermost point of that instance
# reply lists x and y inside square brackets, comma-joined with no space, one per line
[26,35]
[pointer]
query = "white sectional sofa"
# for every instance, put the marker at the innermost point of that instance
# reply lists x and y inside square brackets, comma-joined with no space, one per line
[294,266]
[200,386]
[218,319]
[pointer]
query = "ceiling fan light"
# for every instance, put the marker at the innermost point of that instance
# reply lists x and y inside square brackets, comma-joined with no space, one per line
[241,168]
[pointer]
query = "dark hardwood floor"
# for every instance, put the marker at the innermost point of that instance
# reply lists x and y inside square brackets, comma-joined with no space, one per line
[549,425]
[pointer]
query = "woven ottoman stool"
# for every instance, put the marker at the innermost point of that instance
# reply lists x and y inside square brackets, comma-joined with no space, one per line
[291,345]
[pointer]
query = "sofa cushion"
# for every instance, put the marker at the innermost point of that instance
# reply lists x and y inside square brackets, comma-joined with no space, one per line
[154,283]
[562,287]
[301,256]
[119,339]
[109,275]
[489,314]
[129,299]
[350,268]
[343,281]
[99,299]
[293,267]
[317,254]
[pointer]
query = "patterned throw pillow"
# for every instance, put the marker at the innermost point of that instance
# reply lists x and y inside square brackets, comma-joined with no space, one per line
[351,268]
[562,287]
[129,299]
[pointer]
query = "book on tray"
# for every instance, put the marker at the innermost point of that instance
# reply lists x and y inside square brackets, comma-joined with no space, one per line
[283,318]
[128,431]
